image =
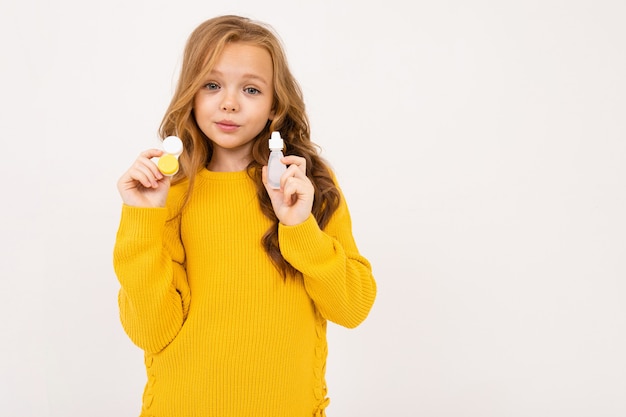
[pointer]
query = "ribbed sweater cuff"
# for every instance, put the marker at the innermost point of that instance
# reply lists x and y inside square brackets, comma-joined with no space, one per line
[304,243]
[140,232]
[142,223]
[139,237]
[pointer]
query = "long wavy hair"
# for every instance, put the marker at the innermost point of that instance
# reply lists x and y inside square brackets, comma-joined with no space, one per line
[203,49]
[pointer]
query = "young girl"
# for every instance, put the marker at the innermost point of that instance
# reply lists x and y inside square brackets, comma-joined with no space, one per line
[227,283]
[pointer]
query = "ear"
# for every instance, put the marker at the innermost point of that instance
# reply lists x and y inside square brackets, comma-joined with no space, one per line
[272,114]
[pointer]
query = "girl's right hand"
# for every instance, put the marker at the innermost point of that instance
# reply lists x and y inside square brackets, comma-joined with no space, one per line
[143,185]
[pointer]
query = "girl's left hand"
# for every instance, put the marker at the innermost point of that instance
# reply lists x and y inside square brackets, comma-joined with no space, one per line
[294,200]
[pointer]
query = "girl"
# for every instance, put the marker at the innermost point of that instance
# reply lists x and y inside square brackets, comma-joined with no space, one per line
[227,283]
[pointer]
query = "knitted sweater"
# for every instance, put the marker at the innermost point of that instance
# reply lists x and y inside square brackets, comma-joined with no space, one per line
[224,333]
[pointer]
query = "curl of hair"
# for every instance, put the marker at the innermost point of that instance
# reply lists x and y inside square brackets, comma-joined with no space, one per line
[202,51]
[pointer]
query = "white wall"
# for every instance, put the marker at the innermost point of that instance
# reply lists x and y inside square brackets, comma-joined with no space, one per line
[481,146]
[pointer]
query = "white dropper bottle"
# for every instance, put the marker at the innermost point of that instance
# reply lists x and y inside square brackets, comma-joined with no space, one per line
[168,162]
[275,168]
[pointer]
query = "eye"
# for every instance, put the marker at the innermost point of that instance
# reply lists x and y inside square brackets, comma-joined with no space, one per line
[211,86]
[251,90]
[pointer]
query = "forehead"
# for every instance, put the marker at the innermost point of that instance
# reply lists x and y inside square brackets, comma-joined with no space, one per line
[242,58]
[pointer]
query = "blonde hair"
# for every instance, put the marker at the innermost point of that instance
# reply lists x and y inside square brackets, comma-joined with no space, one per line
[202,50]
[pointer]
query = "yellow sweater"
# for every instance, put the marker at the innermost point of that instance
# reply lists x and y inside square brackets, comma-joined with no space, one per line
[224,334]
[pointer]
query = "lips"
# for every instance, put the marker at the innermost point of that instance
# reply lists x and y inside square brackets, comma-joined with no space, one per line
[227,125]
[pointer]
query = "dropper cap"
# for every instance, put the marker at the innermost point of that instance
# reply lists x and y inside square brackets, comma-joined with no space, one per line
[276,142]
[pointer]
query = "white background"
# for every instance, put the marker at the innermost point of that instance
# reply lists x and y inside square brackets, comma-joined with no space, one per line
[481,147]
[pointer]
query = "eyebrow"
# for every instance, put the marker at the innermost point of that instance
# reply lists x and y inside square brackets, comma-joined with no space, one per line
[246,76]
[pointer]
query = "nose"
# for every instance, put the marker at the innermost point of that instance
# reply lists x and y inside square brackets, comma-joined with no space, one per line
[229,104]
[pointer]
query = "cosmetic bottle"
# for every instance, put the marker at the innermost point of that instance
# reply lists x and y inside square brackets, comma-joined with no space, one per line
[168,162]
[275,168]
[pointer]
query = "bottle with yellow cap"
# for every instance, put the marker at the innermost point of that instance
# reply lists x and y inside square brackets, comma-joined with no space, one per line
[168,162]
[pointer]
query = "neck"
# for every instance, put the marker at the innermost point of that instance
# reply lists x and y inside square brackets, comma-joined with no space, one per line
[227,165]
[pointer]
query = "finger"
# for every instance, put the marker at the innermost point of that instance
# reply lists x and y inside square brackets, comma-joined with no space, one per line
[293,171]
[151,153]
[145,171]
[298,161]
[265,180]
[292,188]
[135,178]
[264,175]
[147,156]
[273,193]
[146,175]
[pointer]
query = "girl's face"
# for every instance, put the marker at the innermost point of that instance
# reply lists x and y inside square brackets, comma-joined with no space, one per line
[235,103]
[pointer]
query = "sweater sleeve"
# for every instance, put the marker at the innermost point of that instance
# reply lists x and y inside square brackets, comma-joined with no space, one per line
[337,278]
[148,259]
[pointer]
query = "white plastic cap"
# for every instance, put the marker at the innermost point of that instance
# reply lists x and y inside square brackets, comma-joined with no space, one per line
[276,142]
[173,145]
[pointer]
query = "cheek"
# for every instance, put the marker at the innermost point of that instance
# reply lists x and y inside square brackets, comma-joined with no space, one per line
[196,104]
[202,109]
